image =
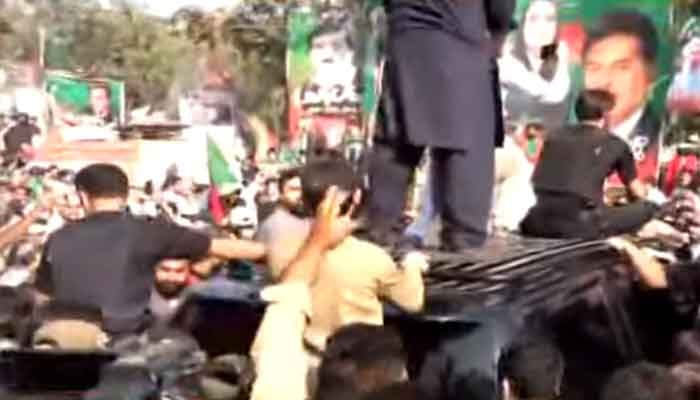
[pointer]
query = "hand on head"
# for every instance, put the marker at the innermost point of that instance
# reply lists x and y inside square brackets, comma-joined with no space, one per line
[331,226]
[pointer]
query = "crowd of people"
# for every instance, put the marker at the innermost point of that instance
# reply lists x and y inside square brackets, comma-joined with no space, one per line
[87,238]
[109,260]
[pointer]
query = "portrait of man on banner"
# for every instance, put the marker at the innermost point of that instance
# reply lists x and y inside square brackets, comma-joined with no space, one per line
[329,97]
[620,56]
[79,102]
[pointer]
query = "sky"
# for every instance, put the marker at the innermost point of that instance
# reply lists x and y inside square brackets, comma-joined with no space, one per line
[166,8]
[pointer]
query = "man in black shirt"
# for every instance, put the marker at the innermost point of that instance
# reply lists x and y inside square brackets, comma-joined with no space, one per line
[570,177]
[107,260]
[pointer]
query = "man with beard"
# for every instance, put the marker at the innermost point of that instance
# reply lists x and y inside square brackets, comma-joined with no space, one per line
[286,228]
[172,277]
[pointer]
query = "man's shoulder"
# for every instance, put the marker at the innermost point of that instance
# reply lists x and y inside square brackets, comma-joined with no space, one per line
[69,229]
[649,124]
[363,251]
[573,133]
[283,220]
[275,216]
[89,224]
[614,140]
[357,242]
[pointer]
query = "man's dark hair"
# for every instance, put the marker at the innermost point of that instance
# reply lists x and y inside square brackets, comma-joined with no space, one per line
[329,28]
[361,358]
[102,181]
[592,105]
[322,173]
[398,391]
[643,381]
[535,366]
[286,176]
[630,23]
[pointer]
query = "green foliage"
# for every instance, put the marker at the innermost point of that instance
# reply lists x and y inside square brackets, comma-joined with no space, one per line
[157,58]
[253,45]
[122,44]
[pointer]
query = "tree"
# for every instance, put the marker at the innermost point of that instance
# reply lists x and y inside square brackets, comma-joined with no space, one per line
[121,43]
[251,42]
[159,59]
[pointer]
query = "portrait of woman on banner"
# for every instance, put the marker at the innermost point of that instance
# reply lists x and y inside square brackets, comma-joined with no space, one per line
[684,94]
[534,69]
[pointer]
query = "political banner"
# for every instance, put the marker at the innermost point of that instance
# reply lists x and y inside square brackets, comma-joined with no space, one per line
[333,63]
[77,101]
[562,47]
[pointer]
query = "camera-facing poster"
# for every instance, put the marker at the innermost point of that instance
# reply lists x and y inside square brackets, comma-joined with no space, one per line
[332,69]
[81,105]
[562,47]
[215,107]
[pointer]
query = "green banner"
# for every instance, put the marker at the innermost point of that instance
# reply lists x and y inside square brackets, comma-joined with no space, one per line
[85,101]
[334,56]
[562,47]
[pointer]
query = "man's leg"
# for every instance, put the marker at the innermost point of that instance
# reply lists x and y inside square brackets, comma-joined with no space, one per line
[560,217]
[391,169]
[465,181]
[626,219]
[429,208]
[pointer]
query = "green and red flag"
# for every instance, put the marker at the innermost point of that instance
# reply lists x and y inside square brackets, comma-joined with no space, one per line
[222,178]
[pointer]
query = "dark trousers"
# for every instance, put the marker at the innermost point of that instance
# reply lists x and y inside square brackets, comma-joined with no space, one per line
[464,179]
[558,216]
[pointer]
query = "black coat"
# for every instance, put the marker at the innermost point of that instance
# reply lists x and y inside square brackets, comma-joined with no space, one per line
[440,70]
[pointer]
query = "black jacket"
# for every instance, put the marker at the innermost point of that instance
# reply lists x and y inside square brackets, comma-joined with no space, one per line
[439,71]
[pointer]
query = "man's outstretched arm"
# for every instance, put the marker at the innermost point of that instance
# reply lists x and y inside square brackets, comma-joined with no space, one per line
[238,249]
[13,232]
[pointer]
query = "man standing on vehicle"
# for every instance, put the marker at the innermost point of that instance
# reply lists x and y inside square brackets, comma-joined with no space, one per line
[439,95]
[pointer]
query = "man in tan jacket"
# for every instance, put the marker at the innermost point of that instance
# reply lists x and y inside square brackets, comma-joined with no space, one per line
[350,281]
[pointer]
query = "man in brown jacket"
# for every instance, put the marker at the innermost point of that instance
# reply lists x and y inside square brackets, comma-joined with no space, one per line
[350,280]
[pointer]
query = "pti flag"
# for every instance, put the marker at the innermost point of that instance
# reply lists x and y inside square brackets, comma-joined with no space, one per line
[222,178]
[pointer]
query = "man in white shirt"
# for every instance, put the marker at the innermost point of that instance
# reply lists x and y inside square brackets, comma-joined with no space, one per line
[285,230]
